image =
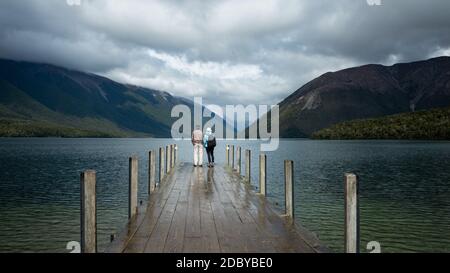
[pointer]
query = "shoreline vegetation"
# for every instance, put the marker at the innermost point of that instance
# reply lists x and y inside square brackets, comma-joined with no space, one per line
[38,100]
[421,125]
[431,124]
[30,128]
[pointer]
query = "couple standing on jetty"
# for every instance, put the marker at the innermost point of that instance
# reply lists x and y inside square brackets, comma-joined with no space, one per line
[207,141]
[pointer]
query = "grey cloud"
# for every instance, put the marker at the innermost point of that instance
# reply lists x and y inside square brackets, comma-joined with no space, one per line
[200,47]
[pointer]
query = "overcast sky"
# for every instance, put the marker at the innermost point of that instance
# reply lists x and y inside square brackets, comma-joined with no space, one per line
[237,51]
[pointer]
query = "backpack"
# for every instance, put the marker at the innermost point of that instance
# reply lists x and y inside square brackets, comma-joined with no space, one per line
[211,141]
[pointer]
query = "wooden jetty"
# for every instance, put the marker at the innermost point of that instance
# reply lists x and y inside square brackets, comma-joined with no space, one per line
[209,210]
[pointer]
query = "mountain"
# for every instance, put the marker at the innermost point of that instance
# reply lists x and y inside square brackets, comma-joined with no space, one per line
[427,124]
[365,92]
[45,98]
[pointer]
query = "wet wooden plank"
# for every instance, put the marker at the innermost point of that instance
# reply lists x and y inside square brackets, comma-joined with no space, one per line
[211,210]
[175,238]
[158,237]
[228,241]
[208,227]
[252,237]
[269,228]
[138,239]
[193,213]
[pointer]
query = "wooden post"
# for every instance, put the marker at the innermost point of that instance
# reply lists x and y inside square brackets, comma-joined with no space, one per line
[161,165]
[176,154]
[88,212]
[238,160]
[168,154]
[167,159]
[351,214]
[133,187]
[262,174]
[232,157]
[248,165]
[171,155]
[289,187]
[228,154]
[151,172]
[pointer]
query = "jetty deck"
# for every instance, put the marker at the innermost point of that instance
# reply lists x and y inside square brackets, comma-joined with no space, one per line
[210,210]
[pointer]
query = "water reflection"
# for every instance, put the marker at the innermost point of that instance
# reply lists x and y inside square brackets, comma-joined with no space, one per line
[405,188]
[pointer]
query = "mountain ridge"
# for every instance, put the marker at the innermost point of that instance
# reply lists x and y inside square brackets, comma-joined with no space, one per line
[84,101]
[365,92]
[433,124]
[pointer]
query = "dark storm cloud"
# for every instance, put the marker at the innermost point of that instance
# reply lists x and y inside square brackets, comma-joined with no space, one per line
[257,50]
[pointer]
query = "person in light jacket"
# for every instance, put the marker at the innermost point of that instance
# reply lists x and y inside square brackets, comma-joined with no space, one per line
[197,138]
[209,141]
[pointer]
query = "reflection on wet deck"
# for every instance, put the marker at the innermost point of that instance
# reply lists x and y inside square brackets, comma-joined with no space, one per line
[210,210]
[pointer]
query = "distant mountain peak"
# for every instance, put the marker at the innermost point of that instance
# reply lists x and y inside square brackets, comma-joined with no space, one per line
[366,91]
[75,99]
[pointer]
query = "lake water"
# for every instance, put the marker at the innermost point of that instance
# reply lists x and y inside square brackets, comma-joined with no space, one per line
[404,189]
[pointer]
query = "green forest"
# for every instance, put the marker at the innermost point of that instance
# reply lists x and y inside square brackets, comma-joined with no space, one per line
[421,125]
[26,128]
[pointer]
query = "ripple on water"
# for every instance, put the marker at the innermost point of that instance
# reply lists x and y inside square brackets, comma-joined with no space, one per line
[404,194]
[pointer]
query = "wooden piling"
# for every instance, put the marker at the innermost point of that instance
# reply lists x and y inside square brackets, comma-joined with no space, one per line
[351,214]
[262,174]
[232,157]
[161,165]
[172,156]
[227,154]
[167,159]
[176,154]
[289,187]
[238,160]
[151,172]
[248,165]
[133,186]
[150,231]
[88,212]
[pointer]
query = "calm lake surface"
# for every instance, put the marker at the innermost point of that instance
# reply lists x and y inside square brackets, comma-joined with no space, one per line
[404,189]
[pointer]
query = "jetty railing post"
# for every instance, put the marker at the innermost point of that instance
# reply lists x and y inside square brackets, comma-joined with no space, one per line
[238,160]
[289,187]
[351,214]
[168,154]
[232,157]
[172,156]
[88,212]
[262,174]
[151,172]
[133,187]
[176,154]
[167,159]
[161,165]
[227,154]
[248,165]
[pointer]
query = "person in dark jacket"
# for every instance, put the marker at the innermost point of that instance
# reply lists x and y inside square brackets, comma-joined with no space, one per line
[209,141]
